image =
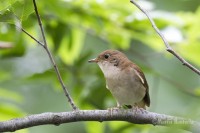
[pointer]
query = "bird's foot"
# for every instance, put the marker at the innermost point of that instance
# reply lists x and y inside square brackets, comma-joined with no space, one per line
[114,108]
[136,110]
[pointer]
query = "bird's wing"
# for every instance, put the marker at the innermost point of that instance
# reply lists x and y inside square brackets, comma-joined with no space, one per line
[143,80]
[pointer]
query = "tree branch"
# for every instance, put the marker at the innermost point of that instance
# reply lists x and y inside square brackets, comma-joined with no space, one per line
[168,47]
[129,115]
[5,45]
[70,100]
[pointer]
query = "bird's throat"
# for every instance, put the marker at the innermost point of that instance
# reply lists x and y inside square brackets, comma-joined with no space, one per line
[109,70]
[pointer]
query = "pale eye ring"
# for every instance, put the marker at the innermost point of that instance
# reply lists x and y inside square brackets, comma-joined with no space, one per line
[106,56]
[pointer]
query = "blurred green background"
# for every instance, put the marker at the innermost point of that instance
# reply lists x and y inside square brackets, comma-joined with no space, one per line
[78,30]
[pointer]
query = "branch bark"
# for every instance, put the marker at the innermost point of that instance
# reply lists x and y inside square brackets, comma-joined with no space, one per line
[168,47]
[135,116]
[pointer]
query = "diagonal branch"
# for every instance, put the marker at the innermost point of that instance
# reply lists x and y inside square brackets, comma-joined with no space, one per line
[129,115]
[51,57]
[30,36]
[168,47]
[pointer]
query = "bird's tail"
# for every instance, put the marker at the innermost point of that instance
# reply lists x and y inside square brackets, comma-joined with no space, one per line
[141,104]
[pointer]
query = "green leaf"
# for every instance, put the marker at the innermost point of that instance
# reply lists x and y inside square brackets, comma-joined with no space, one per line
[6,16]
[53,28]
[4,75]
[19,10]
[191,51]
[18,48]
[197,91]
[93,127]
[22,9]
[9,111]
[69,52]
[10,95]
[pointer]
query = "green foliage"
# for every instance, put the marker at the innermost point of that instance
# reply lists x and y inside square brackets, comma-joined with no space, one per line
[77,30]
[189,47]
[7,109]
[11,10]
[76,38]
[6,94]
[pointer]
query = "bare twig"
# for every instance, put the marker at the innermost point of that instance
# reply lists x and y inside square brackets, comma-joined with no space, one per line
[31,36]
[40,23]
[51,57]
[168,47]
[132,116]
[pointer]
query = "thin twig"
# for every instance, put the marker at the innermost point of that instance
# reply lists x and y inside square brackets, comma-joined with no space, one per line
[168,47]
[128,115]
[40,23]
[164,77]
[31,36]
[52,60]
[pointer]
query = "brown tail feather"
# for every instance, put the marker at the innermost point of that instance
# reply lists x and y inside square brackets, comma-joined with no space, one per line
[141,104]
[146,99]
[145,102]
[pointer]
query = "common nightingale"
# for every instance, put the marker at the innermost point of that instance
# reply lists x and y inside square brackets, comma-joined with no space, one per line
[124,79]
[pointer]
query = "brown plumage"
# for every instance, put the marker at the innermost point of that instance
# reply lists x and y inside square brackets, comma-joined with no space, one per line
[124,79]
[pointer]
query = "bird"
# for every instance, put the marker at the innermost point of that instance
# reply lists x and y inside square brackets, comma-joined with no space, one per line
[124,79]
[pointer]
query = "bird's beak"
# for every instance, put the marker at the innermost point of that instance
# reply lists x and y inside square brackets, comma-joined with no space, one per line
[93,60]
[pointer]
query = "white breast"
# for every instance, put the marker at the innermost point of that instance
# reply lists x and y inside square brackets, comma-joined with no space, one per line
[109,70]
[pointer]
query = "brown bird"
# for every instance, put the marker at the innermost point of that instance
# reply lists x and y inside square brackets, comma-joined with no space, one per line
[124,79]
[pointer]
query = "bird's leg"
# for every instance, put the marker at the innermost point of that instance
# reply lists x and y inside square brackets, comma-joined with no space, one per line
[114,108]
[118,106]
[137,108]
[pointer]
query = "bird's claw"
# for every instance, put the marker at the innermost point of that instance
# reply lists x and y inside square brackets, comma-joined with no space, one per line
[114,108]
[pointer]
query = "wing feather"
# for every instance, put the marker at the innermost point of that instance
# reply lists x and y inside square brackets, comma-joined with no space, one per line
[143,80]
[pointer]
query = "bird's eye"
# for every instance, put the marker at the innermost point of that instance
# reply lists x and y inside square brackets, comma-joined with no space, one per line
[106,56]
